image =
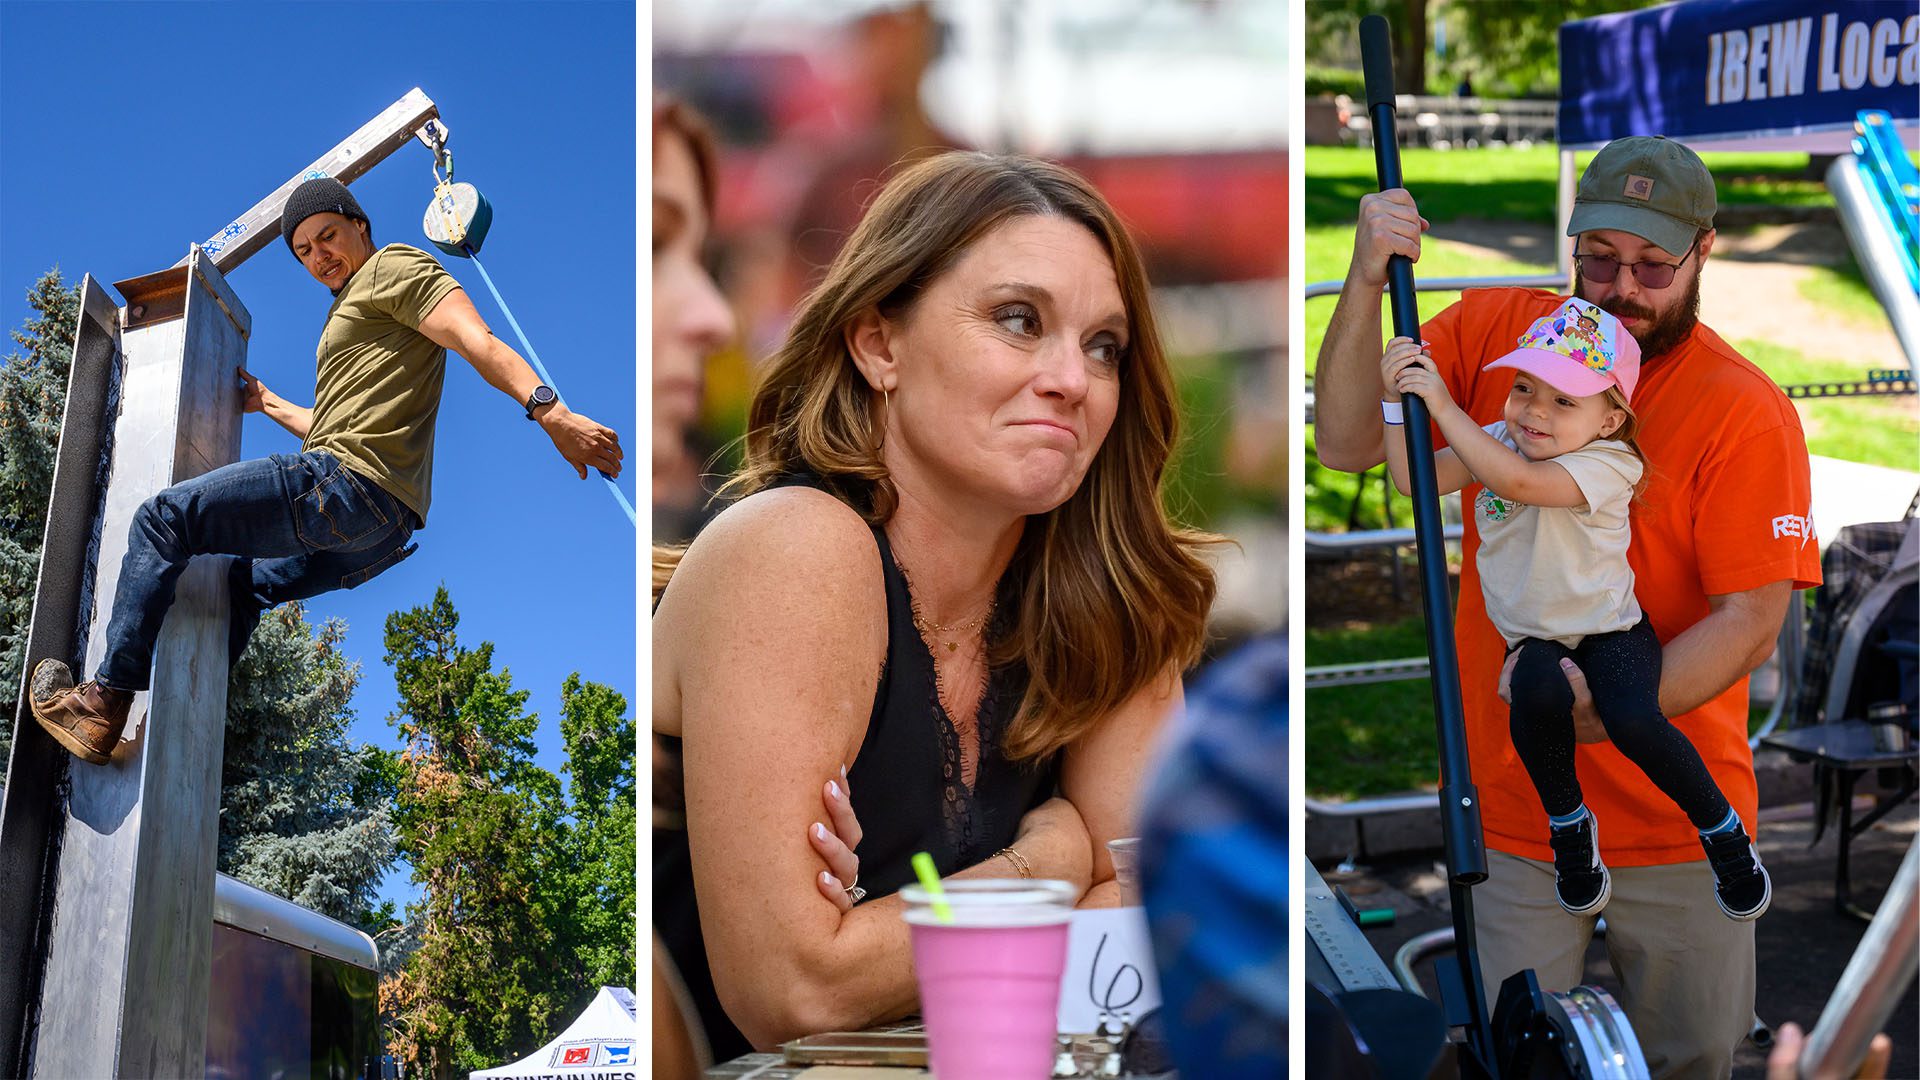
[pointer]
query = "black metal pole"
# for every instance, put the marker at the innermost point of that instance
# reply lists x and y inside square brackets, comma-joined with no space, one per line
[1459,803]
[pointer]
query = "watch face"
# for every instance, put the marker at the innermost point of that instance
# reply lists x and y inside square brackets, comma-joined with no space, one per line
[542,395]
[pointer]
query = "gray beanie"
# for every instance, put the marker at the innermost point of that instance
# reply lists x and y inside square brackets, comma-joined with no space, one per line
[321,195]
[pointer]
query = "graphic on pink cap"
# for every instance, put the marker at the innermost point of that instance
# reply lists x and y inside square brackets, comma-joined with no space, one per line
[1579,349]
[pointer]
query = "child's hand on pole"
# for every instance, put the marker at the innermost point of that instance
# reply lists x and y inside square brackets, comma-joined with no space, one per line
[1400,352]
[1407,369]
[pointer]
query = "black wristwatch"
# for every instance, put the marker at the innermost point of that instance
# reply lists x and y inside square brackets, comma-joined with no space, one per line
[542,395]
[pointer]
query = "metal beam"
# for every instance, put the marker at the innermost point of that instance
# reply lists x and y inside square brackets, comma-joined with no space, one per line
[130,927]
[358,152]
[32,817]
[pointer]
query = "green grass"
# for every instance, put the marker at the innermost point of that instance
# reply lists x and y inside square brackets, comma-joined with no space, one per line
[1199,492]
[1330,495]
[1843,291]
[1872,431]
[1376,739]
[1518,185]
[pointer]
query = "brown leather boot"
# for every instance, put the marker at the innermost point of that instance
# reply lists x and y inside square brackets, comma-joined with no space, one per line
[86,719]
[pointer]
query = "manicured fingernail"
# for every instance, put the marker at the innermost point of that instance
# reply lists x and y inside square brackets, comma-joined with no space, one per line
[828,880]
[843,772]
[819,832]
[833,789]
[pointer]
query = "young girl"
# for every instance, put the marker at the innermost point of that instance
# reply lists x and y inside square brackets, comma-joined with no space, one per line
[1557,475]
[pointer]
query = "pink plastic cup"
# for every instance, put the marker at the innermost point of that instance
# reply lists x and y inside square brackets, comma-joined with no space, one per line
[990,980]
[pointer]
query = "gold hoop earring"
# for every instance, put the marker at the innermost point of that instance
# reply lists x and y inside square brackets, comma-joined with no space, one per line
[886,410]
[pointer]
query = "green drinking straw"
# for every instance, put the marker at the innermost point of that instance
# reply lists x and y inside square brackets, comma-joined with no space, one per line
[930,881]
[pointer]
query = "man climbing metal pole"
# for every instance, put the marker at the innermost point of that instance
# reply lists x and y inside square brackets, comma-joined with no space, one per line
[343,510]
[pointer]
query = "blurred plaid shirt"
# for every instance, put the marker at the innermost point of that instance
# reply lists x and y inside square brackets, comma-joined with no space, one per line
[1214,872]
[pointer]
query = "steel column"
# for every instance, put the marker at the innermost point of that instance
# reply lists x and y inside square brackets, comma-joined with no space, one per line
[31,820]
[129,931]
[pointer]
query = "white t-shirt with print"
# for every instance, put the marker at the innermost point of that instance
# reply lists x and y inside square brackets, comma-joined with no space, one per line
[1559,573]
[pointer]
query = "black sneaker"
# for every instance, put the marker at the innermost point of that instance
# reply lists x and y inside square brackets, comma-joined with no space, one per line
[1584,884]
[1741,884]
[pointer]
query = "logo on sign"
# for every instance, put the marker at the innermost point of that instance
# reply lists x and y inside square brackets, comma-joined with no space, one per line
[1793,525]
[226,236]
[1639,187]
[619,1055]
[576,1055]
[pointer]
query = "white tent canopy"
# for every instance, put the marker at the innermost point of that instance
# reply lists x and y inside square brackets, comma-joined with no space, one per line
[599,1045]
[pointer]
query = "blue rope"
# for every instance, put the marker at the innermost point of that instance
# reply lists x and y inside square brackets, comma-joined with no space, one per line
[534,357]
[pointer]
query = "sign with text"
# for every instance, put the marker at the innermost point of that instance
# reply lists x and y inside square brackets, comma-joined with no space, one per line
[1789,71]
[1109,969]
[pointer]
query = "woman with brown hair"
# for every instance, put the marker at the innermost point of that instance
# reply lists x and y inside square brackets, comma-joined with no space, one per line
[948,602]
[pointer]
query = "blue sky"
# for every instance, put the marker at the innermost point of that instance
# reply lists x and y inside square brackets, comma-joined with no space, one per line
[131,131]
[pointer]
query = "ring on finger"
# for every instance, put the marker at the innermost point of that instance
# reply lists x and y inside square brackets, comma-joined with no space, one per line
[855,893]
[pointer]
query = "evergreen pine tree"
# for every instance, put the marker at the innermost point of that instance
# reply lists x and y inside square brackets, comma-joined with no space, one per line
[480,822]
[33,397]
[305,813]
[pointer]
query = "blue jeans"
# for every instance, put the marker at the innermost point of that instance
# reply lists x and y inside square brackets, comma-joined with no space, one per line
[302,524]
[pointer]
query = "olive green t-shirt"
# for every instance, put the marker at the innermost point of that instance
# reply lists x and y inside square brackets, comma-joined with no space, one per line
[378,391]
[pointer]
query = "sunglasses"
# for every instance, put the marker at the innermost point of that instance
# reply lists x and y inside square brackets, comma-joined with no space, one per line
[1602,269]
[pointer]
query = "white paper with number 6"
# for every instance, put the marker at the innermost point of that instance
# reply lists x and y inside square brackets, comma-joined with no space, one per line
[1110,966]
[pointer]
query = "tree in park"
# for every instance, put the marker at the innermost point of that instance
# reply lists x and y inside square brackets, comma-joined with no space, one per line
[512,928]
[33,395]
[601,841]
[1333,36]
[1507,48]
[1513,48]
[304,813]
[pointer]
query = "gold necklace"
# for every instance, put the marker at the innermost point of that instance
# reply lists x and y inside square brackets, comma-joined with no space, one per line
[932,631]
[941,633]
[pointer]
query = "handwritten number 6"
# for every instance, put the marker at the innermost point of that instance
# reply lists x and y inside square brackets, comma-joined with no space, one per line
[1106,1002]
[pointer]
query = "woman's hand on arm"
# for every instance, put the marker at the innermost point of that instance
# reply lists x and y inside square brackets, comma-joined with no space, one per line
[1101,775]
[455,324]
[834,839]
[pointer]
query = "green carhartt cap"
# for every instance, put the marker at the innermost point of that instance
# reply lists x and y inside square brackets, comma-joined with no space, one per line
[1649,186]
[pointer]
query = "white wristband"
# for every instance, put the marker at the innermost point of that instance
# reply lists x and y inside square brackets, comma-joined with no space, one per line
[1392,412]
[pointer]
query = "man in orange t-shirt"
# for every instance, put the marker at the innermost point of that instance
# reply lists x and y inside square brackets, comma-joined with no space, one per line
[1721,537]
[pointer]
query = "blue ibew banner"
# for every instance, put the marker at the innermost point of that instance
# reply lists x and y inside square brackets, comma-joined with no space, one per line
[1788,71]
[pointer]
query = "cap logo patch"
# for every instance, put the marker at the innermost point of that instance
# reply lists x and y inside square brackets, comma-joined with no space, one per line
[1639,187]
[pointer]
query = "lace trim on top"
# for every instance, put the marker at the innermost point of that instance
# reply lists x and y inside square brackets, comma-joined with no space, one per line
[966,822]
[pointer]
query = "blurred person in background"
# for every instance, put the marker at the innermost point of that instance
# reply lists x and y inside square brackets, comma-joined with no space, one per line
[948,604]
[888,54]
[690,318]
[1214,869]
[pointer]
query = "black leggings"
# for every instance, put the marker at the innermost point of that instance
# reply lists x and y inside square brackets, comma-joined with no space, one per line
[1623,675]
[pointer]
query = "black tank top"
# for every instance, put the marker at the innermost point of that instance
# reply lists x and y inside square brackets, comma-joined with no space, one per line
[907,789]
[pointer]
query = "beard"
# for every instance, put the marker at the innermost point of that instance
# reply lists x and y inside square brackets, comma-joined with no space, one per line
[1662,332]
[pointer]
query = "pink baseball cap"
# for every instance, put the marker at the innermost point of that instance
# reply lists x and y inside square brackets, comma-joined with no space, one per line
[1580,349]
